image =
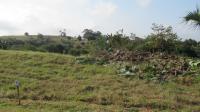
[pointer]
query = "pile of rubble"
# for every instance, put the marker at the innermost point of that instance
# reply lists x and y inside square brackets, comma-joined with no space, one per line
[120,55]
[152,66]
[157,68]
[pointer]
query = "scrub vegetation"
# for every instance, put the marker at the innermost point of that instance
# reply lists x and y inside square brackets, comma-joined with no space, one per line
[101,73]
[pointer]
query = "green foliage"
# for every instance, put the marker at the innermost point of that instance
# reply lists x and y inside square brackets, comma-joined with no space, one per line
[193,17]
[26,34]
[118,41]
[44,44]
[56,48]
[75,52]
[190,48]
[162,39]
[194,64]
[79,38]
[91,35]
[90,60]
[97,45]
[40,36]
[53,82]
[162,68]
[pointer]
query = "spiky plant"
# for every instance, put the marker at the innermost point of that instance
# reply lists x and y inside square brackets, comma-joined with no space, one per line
[193,17]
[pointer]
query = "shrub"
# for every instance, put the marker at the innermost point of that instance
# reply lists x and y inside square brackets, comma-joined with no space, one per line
[40,36]
[26,34]
[57,48]
[75,52]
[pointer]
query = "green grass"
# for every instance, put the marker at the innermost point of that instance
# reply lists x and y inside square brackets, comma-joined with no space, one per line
[57,83]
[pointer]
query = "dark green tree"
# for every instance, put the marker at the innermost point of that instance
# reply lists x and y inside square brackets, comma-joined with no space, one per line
[79,38]
[91,35]
[189,48]
[40,36]
[26,34]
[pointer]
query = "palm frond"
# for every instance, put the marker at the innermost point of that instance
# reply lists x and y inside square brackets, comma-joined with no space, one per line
[193,17]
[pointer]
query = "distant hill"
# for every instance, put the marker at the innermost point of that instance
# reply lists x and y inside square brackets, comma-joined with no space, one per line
[43,43]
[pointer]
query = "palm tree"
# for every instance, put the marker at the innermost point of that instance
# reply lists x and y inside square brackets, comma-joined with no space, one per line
[193,17]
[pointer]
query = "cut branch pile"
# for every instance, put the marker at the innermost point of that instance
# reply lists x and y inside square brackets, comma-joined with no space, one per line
[120,55]
[156,66]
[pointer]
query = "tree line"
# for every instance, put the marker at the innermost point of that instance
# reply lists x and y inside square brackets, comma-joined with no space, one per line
[162,39]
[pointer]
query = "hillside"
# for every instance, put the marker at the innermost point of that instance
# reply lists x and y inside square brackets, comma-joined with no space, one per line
[53,82]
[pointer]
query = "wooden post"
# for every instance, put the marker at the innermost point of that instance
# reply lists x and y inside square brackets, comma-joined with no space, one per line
[17,83]
[19,102]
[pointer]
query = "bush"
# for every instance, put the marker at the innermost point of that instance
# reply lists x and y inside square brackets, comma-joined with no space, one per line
[40,36]
[75,52]
[26,34]
[56,48]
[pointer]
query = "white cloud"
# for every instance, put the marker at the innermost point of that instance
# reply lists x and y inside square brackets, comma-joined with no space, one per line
[49,16]
[104,9]
[144,3]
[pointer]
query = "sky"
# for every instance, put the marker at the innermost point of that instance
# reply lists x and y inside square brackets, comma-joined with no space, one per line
[107,16]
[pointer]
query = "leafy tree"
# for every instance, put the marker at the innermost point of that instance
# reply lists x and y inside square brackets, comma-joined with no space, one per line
[189,48]
[194,17]
[191,42]
[162,39]
[101,44]
[119,40]
[57,48]
[91,35]
[40,35]
[79,38]
[26,34]
[63,33]
[3,44]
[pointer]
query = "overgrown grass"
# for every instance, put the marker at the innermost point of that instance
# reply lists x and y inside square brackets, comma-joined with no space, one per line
[57,83]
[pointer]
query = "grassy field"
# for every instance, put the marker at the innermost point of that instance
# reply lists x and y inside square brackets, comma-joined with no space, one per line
[57,83]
